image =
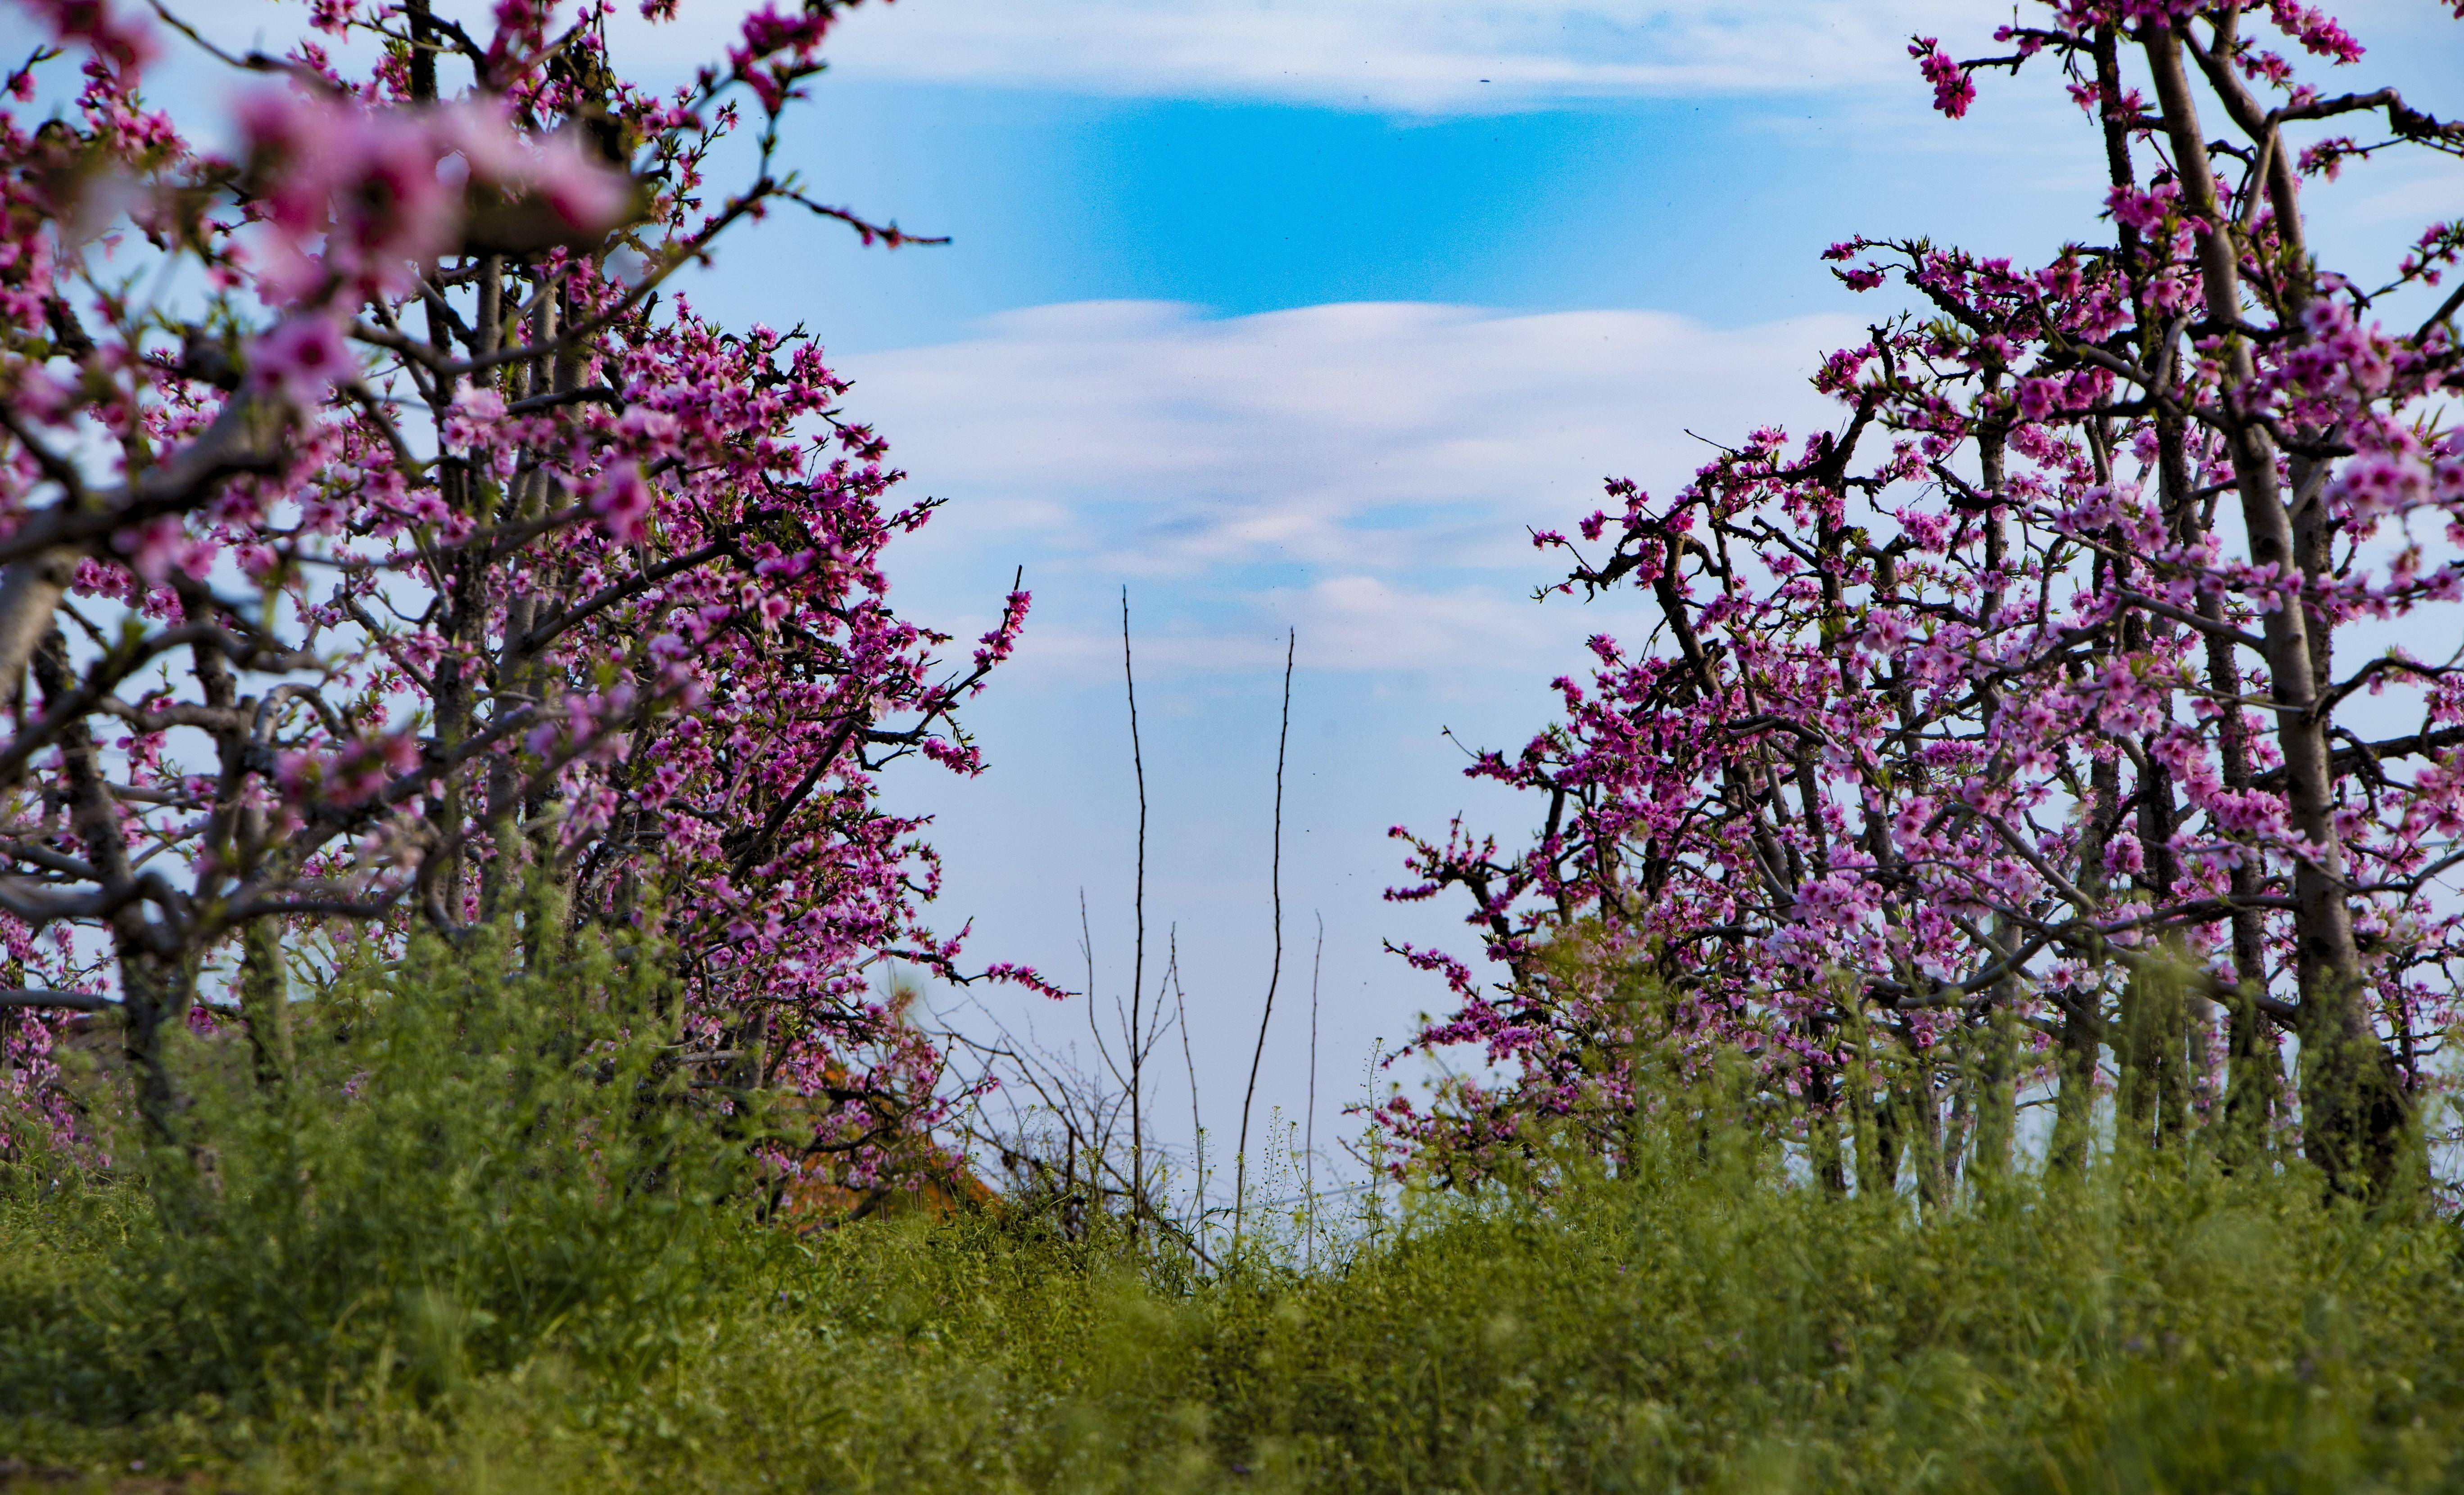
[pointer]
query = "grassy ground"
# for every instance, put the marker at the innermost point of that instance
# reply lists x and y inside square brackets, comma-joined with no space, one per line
[1691,1329]
[469,1248]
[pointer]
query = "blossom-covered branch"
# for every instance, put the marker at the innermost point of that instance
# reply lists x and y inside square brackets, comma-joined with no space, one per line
[438,560]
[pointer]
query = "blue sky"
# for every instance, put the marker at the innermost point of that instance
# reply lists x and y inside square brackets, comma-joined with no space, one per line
[1295,314]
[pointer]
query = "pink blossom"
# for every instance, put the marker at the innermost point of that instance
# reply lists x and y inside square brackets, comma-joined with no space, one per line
[473,416]
[302,359]
[128,45]
[587,196]
[623,501]
[1953,91]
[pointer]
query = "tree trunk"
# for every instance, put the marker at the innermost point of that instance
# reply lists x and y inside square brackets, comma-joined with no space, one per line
[1995,1078]
[1823,1141]
[2075,1097]
[2355,1118]
[1877,1127]
[30,596]
[265,1001]
[154,984]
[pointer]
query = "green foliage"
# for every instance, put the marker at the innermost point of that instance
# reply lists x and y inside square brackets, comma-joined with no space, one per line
[462,1169]
[509,1266]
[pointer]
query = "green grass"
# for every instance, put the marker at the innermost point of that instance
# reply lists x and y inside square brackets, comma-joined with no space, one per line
[453,1303]
[1688,1328]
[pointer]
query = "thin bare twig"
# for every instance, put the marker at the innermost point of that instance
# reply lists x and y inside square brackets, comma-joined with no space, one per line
[1137,1036]
[1181,1014]
[1275,973]
[1308,1135]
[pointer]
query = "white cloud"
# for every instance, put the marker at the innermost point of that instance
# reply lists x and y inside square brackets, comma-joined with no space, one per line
[1392,54]
[1347,622]
[1413,56]
[1370,469]
[1438,56]
[1452,56]
[1370,623]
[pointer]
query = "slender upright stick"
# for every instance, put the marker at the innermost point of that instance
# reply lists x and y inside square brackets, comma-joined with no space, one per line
[1095,1031]
[1139,957]
[1189,1058]
[1086,948]
[1275,883]
[1309,1133]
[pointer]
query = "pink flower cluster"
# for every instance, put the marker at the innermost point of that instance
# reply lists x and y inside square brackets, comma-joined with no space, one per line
[360,198]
